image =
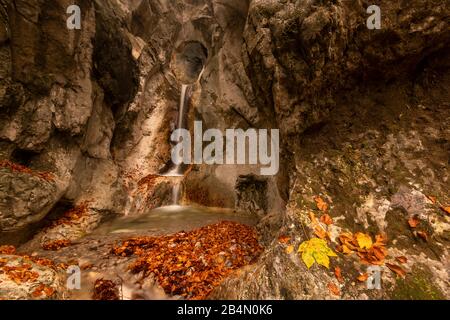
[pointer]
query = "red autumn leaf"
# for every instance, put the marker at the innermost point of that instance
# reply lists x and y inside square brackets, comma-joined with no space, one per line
[396,269]
[401,259]
[338,274]
[363,277]
[326,219]
[334,289]
[413,222]
[284,239]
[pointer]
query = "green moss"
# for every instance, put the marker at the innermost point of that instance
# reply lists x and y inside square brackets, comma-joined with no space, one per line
[417,286]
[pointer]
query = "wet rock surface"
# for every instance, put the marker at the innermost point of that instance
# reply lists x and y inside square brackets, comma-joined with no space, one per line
[363,116]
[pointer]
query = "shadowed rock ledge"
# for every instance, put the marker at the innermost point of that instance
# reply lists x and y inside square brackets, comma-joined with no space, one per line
[86,117]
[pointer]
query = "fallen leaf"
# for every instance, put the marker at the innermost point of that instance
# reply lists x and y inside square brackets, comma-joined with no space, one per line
[290,249]
[321,205]
[105,290]
[316,250]
[338,274]
[432,199]
[186,263]
[320,232]
[364,240]
[363,277]
[6,249]
[346,250]
[284,239]
[334,289]
[401,259]
[380,240]
[396,269]
[413,221]
[313,218]
[326,219]
[446,209]
[423,235]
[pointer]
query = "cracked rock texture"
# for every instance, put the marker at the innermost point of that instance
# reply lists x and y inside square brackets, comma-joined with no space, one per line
[363,114]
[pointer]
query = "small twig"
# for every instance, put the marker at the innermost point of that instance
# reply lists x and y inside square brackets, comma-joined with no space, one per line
[304,231]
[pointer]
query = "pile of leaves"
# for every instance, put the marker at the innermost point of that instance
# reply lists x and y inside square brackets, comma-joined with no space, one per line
[70,217]
[55,245]
[19,274]
[7,249]
[368,251]
[11,250]
[73,215]
[42,289]
[105,290]
[191,264]
[22,169]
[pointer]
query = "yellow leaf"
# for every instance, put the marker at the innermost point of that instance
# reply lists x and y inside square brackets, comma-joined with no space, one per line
[290,249]
[316,250]
[322,259]
[364,240]
[308,259]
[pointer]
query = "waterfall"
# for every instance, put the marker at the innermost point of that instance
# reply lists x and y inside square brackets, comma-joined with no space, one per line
[183,100]
[177,170]
[176,192]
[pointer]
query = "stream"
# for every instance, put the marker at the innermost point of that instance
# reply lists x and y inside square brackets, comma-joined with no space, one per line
[171,219]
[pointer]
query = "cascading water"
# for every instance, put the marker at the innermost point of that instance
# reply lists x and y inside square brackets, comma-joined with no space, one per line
[177,170]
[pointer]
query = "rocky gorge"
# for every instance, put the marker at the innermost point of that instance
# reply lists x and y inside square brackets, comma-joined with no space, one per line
[85,127]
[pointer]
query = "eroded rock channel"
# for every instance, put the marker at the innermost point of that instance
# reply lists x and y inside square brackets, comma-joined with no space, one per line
[87,179]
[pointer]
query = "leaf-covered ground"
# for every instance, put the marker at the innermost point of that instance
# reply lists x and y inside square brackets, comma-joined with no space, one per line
[191,264]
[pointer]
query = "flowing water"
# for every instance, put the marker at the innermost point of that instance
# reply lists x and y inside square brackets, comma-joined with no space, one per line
[172,219]
[177,169]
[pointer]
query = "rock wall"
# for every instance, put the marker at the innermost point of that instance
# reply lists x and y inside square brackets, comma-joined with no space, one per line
[362,114]
[86,117]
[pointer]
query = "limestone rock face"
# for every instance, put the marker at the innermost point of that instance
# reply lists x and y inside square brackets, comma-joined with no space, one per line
[38,282]
[362,122]
[300,54]
[362,113]
[25,199]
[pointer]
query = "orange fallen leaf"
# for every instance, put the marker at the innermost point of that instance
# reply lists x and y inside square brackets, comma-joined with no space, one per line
[334,289]
[320,232]
[326,219]
[6,249]
[432,199]
[401,259]
[396,269]
[338,274]
[284,239]
[321,205]
[363,277]
[290,249]
[313,218]
[446,209]
[380,240]
[346,250]
[413,222]
[423,235]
